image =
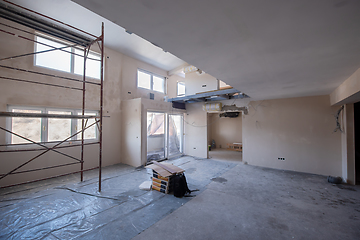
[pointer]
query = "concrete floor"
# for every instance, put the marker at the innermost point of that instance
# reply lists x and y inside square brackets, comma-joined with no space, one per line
[235,201]
[223,154]
[250,202]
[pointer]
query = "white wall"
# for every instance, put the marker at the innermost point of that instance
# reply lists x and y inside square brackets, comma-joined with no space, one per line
[172,85]
[196,131]
[348,91]
[301,130]
[194,83]
[129,79]
[225,130]
[348,144]
[131,132]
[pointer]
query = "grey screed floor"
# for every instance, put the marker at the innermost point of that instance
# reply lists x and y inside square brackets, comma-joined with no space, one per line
[235,201]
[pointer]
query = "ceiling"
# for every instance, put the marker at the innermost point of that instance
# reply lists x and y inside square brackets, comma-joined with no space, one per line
[266,49]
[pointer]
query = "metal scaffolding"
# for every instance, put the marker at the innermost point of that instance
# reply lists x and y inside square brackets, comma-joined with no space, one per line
[78,38]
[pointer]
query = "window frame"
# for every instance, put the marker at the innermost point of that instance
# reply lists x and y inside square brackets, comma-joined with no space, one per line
[72,56]
[177,89]
[44,125]
[151,80]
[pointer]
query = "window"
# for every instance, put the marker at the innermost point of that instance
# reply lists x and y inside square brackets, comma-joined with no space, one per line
[27,127]
[180,88]
[59,128]
[49,129]
[89,133]
[64,60]
[223,85]
[150,81]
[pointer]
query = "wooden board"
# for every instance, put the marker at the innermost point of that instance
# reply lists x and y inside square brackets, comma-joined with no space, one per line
[163,172]
[235,147]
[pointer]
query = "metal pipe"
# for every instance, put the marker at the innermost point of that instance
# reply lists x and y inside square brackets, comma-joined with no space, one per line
[33,53]
[40,35]
[41,145]
[41,154]
[45,168]
[39,149]
[62,175]
[101,102]
[83,113]
[47,45]
[46,84]
[48,75]
[27,9]
[44,115]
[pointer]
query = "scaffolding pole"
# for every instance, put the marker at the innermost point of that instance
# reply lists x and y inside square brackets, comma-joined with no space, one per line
[86,44]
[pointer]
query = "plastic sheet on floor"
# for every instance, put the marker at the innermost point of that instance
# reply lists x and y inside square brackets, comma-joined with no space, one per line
[70,209]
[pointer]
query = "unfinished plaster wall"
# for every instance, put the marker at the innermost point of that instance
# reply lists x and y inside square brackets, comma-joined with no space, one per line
[131,132]
[27,94]
[225,130]
[134,132]
[195,83]
[196,131]
[348,144]
[155,106]
[301,130]
[129,79]
[348,91]
[172,85]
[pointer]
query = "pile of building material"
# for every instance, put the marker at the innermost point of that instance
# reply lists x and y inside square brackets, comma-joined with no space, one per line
[162,176]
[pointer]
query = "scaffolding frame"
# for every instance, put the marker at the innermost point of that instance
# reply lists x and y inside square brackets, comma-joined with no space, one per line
[85,41]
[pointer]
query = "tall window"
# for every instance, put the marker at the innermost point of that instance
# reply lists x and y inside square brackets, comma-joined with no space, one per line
[49,129]
[181,89]
[63,60]
[150,81]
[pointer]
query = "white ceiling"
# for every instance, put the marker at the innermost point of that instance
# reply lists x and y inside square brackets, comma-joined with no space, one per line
[115,36]
[266,49]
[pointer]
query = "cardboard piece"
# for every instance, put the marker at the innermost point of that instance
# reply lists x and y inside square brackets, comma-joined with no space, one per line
[163,172]
[145,185]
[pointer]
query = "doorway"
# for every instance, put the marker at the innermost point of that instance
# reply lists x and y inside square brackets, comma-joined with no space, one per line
[224,136]
[155,136]
[165,136]
[175,135]
[357,141]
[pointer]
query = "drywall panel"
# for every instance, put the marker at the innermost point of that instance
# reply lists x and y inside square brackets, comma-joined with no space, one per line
[131,132]
[301,130]
[172,85]
[348,91]
[225,130]
[348,144]
[129,76]
[196,131]
[195,83]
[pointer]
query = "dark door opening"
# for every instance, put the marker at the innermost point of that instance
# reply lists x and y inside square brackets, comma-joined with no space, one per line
[357,141]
